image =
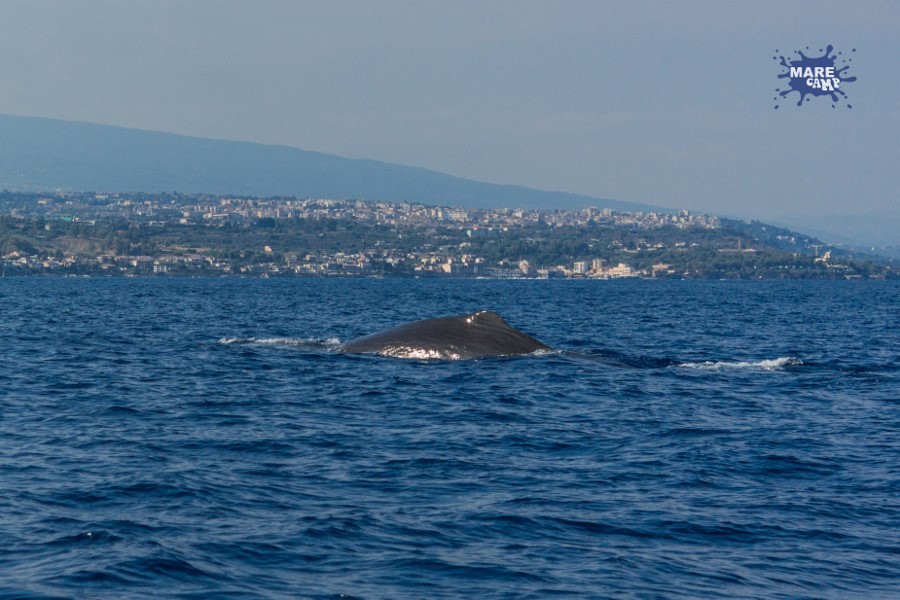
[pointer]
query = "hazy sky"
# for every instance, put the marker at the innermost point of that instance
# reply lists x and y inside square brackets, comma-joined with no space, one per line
[667,103]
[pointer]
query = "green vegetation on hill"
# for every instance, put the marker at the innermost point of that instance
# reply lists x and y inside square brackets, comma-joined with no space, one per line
[35,242]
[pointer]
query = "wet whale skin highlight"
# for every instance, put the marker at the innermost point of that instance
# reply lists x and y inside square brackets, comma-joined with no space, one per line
[478,334]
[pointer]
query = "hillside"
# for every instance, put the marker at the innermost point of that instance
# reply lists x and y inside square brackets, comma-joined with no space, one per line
[44,154]
[179,234]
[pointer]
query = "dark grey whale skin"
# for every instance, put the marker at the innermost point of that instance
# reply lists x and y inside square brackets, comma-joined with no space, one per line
[478,334]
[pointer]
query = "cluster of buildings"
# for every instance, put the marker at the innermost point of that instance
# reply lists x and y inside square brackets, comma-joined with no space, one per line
[597,268]
[174,210]
[192,209]
[454,237]
[369,263]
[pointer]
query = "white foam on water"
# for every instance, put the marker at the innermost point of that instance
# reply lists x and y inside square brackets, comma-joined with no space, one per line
[545,352]
[283,341]
[773,364]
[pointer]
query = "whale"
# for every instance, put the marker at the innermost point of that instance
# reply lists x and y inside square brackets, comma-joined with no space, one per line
[475,335]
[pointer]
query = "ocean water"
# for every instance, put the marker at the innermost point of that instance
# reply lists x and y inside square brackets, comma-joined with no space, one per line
[202,438]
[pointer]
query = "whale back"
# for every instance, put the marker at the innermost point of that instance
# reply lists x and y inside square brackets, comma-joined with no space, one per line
[482,333]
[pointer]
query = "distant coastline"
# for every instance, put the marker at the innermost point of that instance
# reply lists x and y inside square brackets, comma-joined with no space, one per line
[120,234]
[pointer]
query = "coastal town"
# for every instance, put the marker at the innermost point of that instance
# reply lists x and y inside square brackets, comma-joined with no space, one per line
[199,234]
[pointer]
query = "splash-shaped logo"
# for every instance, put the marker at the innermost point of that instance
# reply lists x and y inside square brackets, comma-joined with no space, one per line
[815,76]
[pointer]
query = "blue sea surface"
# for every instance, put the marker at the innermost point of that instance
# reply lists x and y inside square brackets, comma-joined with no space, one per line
[203,438]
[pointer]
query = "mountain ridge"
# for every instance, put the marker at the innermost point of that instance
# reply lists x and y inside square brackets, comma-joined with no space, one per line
[38,154]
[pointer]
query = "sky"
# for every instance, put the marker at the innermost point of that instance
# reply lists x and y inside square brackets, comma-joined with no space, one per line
[663,103]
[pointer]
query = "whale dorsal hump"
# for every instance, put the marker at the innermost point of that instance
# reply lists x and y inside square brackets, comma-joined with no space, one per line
[487,317]
[481,333]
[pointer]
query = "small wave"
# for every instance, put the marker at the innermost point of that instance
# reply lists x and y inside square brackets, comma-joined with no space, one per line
[283,341]
[85,538]
[774,364]
[618,359]
[545,352]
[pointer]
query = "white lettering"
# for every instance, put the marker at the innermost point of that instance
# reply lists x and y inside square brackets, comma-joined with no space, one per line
[823,84]
[796,72]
